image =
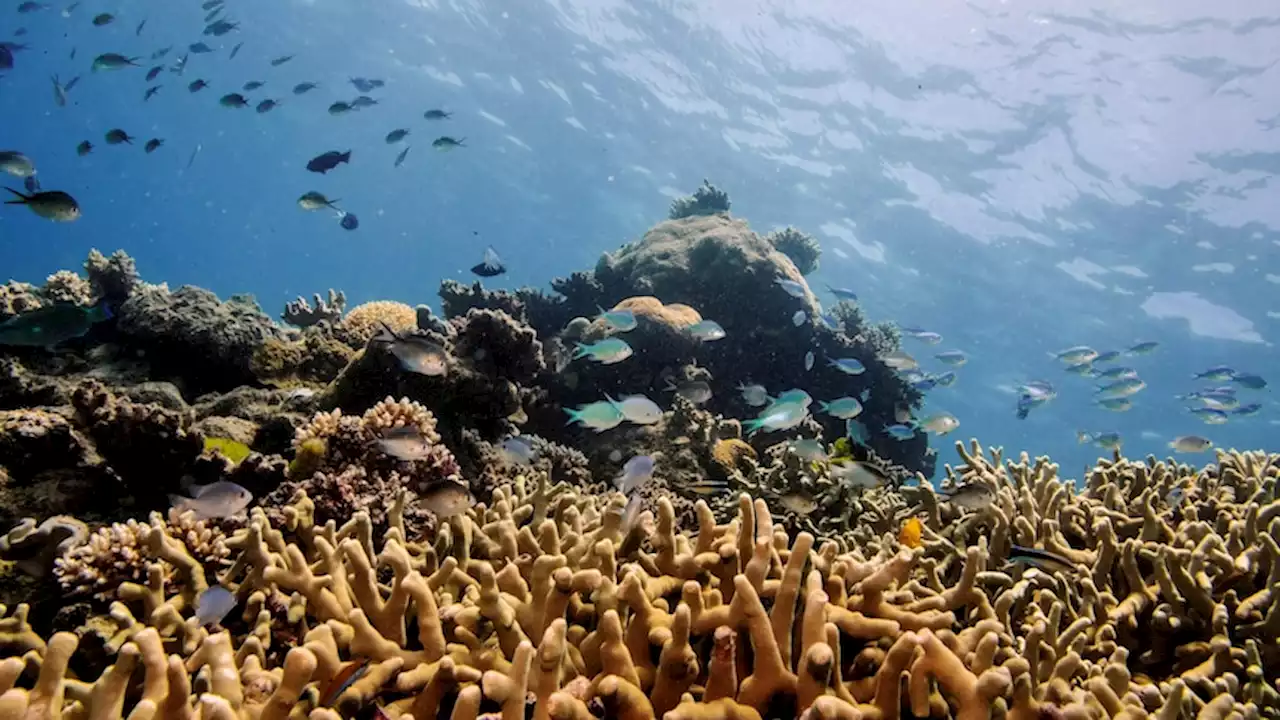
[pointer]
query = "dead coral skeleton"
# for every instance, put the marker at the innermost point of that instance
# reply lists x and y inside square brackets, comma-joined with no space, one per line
[543,597]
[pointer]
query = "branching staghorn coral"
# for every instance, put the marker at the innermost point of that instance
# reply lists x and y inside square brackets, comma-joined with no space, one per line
[545,601]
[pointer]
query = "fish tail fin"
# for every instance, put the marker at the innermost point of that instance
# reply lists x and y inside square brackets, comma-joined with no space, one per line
[179,502]
[346,156]
[574,416]
[671,386]
[23,198]
[824,406]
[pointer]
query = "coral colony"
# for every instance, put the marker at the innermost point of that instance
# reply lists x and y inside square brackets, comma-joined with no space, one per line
[380,512]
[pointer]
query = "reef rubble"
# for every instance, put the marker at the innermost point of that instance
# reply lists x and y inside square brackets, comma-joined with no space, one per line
[744,580]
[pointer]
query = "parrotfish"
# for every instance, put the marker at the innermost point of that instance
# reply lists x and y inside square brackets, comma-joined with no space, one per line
[52,324]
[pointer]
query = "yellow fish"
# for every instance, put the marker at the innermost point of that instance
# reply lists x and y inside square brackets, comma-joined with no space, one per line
[230,449]
[911,531]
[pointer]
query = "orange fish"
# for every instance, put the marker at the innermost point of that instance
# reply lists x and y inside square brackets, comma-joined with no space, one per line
[912,529]
[345,678]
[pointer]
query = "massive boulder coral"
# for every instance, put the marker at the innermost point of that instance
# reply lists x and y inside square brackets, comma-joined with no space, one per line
[191,337]
[549,601]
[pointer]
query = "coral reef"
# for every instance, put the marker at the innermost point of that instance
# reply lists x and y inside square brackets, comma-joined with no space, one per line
[706,200]
[353,475]
[366,320]
[801,248]
[191,337]
[300,313]
[546,600]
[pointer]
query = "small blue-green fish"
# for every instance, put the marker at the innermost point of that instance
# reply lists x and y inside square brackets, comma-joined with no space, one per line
[954,358]
[1085,369]
[922,382]
[199,48]
[697,392]
[799,317]
[1108,440]
[1143,348]
[599,416]
[52,324]
[793,396]
[857,432]
[220,499]
[946,379]
[809,450]
[1190,444]
[1220,402]
[843,408]
[843,293]
[1118,372]
[637,472]
[830,321]
[214,604]
[113,61]
[518,451]
[1075,355]
[16,164]
[1248,410]
[1120,404]
[1121,388]
[606,352]
[1042,560]
[618,320]
[859,475]
[900,432]
[161,52]
[849,366]
[706,331]
[792,288]
[939,423]
[778,417]
[436,115]
[899,360]
[1217,373]
[1210,416]
[1108,356]
[277,62]
[638,409]
[808,361]
[753,395]
[403,154]
[927,337]
[1249,380]
[396,136]
[1033,395]
[444,142]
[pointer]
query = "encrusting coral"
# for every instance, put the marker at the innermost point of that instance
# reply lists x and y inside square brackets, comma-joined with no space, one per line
[551,602]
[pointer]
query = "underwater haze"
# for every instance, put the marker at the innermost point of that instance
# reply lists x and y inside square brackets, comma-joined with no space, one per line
[1019,178]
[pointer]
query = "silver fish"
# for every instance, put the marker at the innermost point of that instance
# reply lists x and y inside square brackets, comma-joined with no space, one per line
[447,499]
[214,604]
[404,443]
[973,496]
[221,499]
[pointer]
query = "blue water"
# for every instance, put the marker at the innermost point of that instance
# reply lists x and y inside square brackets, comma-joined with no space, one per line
[1020,177]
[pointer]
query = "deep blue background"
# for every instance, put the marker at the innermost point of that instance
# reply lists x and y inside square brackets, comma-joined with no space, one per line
[1018,179]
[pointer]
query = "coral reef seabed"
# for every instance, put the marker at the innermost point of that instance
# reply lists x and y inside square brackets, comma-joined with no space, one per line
[453,577]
